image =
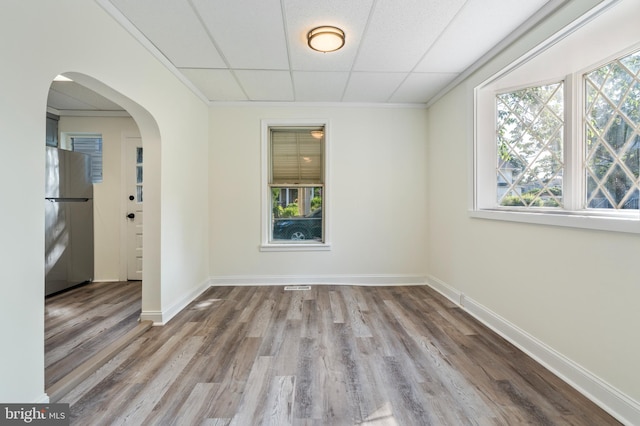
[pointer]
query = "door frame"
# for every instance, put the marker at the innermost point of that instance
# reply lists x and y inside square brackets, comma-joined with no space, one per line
[123,204]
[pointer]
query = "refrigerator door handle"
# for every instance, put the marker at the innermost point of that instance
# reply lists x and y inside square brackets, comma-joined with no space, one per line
[66,200]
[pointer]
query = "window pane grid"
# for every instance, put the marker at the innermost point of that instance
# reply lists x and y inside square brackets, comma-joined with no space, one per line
[612,134]
[530,131]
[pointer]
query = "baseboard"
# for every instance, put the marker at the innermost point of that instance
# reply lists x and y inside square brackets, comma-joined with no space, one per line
[363,280]
[162,317]
[616,403]
[43,399]
[154,316]
[446,290]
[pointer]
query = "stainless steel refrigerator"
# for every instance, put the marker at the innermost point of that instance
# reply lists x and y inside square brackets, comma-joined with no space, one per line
[68,220]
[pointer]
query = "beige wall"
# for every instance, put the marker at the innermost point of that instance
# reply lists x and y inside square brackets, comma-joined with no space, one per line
[377,196]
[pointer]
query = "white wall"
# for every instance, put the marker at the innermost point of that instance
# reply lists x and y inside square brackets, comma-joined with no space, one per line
[377,197]
[44,39]
[108,216]
[573,291]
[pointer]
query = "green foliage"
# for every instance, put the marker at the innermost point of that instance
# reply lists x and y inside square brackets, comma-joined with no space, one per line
[526,200]
[275,207]
[503,151]
[316,202]
[511,200]
[529,133]
[290,211]
[537,197]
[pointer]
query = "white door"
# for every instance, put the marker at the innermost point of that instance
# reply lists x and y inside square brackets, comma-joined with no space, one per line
[134,185]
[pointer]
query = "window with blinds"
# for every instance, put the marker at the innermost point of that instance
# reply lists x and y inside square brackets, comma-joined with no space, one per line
[296,183]
[93,147]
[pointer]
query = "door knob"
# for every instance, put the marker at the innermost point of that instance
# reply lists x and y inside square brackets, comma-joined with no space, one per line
[131,197]
[131,215]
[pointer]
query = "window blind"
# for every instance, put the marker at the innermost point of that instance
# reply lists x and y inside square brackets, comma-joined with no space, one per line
[296,157]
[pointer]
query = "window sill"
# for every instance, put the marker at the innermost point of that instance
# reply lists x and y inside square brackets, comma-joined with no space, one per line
[296,247]
[587,220]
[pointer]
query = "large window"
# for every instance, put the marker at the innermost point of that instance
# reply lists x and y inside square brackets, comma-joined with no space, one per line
[558,134]
[295,186]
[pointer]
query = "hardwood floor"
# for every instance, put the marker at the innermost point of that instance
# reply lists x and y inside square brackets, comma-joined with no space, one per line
[83,321]
[332,355]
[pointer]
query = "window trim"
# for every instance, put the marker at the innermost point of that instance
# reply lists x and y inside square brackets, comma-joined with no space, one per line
[265,201]
[483,198]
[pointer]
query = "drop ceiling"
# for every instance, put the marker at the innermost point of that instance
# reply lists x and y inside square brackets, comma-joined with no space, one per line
[396,51]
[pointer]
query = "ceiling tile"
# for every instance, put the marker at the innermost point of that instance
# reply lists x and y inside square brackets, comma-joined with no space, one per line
[266,85]
[420,87]
[398,36]
[249,34]
[216,85]
[319,86]
[173,27]
[372,87]
[471,37]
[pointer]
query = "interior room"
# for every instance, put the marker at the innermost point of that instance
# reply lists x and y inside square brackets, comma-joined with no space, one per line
[406,187]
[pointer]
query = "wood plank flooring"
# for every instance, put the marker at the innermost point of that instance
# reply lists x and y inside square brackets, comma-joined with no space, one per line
[83,321]
[332,355]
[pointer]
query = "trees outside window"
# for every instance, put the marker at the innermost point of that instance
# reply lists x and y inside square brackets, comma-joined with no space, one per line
[612,134]
[530,129]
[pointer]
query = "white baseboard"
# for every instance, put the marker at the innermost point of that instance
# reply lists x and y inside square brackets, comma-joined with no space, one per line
[154,316]
[162,317]
[363,280]
[43,399]
[616,403]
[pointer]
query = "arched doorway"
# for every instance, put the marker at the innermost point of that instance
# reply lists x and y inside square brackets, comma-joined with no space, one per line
[150,134]
[144,128]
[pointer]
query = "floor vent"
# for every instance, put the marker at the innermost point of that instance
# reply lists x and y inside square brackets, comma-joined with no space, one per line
[297,287]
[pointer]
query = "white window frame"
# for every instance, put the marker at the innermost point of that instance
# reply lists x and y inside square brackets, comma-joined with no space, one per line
[565,57]
[265,205]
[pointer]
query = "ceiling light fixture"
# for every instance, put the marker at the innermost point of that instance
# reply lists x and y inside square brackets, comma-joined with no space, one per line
[325,39]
